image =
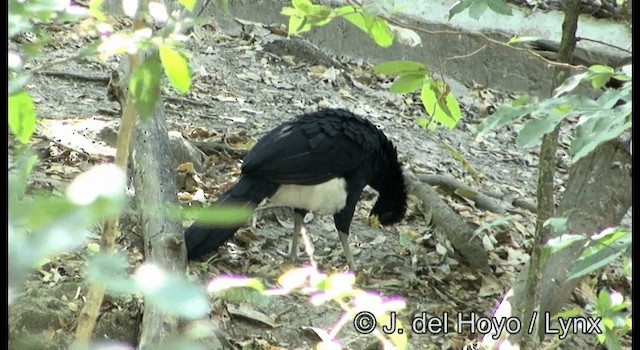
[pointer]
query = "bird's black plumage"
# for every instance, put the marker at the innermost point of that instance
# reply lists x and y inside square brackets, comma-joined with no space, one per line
[312,149]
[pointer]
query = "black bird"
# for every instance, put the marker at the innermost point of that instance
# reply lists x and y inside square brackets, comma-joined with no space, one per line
[317,162]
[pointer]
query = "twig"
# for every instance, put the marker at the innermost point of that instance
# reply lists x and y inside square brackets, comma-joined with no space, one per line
[78,76]
[466,55]
[604,44]
[50,64]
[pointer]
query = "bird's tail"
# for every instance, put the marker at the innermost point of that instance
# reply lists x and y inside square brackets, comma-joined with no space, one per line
[202,239]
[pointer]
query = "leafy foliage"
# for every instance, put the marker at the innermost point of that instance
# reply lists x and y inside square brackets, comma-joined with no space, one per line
[601,250]
[304,15]
[616,320]
[436,98]
[168,292]
[43,226]
[601,119]
[478,7]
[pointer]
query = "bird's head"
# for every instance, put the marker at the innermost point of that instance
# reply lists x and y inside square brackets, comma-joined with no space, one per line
[389,182]
[388,211]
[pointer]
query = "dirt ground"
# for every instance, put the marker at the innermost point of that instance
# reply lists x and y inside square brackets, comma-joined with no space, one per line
[240,90]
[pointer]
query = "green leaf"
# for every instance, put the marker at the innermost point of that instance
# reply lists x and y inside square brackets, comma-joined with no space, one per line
[319,12]
[27,249]
[110,272]
[452,110]
[24,161]
[407,83]
[505,114]
[345,10]
[302,5]
[112,180]
[569,84]
[381,33]
[559,224]
[144,86]
[357,18]
[168,292]
[50,209]
[176,67]
[593,263]
[95,6]
[601,252]
[599,75]
[220,216]
[557,244]
[175,295]
[16,83]
[440,104]
[601,127]
[458,7]
[188,4]
[499,7]
[477,8]
[424,123]
[290,11]
[305,15]
[22,116]
[531,133]
[296,25]
[522,39]
[598,68]
[377,28]
[401,68]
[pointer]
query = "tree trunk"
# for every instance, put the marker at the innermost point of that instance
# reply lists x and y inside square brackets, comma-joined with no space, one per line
[154,183]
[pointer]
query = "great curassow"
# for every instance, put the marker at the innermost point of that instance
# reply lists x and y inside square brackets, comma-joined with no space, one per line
[317,162]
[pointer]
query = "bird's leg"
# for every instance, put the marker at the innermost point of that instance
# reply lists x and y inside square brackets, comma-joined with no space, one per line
[298,221]
[347,252]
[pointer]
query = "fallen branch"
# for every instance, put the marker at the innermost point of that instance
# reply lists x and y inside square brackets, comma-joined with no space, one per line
[458,232]
[455,187]
[484,201]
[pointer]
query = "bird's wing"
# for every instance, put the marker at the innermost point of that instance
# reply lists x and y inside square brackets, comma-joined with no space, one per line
[311,149]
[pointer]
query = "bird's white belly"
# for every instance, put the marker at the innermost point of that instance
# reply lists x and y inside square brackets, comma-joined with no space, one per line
[325,198]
